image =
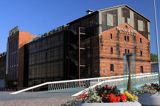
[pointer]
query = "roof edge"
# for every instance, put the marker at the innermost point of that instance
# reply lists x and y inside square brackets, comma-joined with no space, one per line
[124,5]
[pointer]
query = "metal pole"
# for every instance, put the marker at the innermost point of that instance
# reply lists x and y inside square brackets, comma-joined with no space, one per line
[79,53]
[129,85]
[157,38]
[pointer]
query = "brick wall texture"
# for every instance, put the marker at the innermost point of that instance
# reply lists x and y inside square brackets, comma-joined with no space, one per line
[115,38]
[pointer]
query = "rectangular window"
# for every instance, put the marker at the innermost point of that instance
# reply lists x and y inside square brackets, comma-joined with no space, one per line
[125,38]
[128,38]
[125,51]
[112,67]
[123,19]
[140,40]
[111,50]
[128,50]
[141,69]
[129,21]
[111,36]
[140,25]
[109,19]
[141,53]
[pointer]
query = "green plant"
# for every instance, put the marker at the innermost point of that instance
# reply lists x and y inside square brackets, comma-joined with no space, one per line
[154,57]
[73,102]
[106,94]
[148,88]
[102,94]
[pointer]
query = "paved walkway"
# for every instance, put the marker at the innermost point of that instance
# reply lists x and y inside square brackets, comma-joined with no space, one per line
[34,102]
[47,98]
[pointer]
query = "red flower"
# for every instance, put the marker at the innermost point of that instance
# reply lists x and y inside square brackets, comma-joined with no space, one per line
[83,96]
[112,98]
[107,87]
[123,97]
[118,99]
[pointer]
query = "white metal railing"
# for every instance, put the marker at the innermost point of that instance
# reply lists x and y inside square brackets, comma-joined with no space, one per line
[83,83]
[141,79]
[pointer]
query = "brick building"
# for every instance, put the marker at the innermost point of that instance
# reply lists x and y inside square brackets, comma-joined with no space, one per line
[116,43]
[105,42]
[15,56]
[111,35]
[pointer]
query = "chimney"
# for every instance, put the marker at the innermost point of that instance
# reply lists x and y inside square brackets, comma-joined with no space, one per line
[89,11]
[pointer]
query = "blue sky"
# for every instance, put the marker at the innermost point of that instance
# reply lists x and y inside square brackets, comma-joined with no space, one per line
[40,16]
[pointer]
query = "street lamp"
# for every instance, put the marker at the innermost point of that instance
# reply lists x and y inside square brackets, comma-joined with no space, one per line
[129,85]
[157,38]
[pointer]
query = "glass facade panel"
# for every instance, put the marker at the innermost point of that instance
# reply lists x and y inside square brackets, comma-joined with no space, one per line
[46,58]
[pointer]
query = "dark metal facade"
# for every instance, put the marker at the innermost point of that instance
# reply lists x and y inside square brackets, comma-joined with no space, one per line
[2,65]
[12,57]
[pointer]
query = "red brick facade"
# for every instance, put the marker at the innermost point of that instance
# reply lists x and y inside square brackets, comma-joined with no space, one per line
[113,45]
[24,37]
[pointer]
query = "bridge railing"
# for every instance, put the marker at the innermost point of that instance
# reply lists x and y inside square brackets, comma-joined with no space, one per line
[121,82]
[77,83]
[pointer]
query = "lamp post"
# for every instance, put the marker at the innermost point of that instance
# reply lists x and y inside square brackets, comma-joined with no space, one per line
[157,38]
[129,85]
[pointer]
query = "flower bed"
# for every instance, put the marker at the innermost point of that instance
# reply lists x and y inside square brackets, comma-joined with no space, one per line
[149,88]
[149,94]
[112,104]
[105,96]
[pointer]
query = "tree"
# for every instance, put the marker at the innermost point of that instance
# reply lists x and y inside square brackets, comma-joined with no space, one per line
[154,57]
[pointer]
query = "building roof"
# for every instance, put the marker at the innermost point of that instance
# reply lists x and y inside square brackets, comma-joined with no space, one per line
[109,8]
[83,17]
[124,5]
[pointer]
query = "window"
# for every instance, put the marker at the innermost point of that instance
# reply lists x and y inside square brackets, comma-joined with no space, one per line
[128,38]
[123,19]
[129,21]
[141,69]
[140,40]
[112,67]
[111,50]
[141,53]
[125,38]
[111,36]
[140,25]
[109,19]
[128,50]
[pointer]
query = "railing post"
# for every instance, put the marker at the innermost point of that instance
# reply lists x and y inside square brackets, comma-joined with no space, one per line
[98,80]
